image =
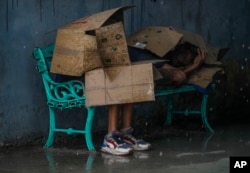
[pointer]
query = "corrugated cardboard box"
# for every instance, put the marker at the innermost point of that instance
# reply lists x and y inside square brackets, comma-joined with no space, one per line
[76,49]
[156,39]
[133,83]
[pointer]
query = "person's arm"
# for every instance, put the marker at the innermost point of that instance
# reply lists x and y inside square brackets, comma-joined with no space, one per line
[198,61]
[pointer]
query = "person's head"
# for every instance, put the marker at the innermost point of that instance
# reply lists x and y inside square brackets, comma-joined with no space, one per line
[184,53]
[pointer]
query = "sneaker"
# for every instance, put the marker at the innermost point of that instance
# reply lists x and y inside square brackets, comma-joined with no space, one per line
[113,144]
[136,144]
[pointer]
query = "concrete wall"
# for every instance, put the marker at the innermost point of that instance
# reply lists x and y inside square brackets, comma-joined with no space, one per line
[25,24]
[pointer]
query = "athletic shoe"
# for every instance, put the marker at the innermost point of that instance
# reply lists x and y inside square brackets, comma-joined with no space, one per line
[113,144]
[136,144]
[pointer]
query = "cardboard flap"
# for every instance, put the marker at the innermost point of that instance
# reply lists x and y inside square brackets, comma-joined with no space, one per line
[222,53]
[214,55]
[193,38]
[204,76]
[97,20]
[76,52]
[112,45]
[156,39]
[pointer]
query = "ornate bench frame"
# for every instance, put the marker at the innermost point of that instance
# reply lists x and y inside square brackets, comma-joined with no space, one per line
[70,94]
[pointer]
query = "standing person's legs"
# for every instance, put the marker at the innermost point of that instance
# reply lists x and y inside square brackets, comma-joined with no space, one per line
[127,115]
[113,111]
[113,142]
[128,137]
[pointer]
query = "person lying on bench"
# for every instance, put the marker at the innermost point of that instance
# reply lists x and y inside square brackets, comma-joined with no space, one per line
[183,60]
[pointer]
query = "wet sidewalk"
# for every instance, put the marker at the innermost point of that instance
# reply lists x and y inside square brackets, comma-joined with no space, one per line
[196,152]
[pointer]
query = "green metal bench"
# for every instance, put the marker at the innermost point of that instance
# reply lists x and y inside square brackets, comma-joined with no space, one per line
[70,94]
[202,111]
[65,95]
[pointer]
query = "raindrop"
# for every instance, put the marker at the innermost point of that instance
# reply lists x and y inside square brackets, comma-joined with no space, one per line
[249,47]
[225,94]
[161,153]
[211,108]
[233,37]
[242,68]
[24,47]
[246,59]
[241,89]
[243,46]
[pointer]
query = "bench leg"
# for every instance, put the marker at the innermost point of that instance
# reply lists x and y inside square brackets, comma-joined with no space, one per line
[88,128]
[169,111]
[204,113]
[50,138]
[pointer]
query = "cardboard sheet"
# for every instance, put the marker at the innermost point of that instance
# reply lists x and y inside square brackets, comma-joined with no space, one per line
[156,39]
[120,84]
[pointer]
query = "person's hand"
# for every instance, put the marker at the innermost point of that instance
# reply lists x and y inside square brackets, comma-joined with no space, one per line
[200,59]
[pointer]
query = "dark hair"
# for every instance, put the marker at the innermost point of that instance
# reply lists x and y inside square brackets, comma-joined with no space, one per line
[185,48]
[182,49]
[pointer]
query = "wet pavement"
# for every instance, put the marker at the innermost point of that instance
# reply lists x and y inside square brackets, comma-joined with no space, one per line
[189,152]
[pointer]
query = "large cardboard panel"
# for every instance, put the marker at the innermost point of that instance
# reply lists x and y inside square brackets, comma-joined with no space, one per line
[112,45]
[76,49]
[159,40]
[132,83]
